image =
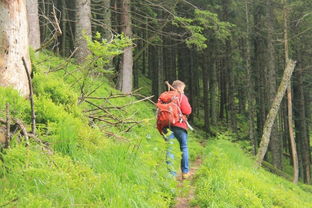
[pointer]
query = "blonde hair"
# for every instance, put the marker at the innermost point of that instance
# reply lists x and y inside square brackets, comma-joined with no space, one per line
[177,83]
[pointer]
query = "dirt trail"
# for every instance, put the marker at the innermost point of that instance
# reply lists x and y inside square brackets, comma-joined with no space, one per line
[184,199]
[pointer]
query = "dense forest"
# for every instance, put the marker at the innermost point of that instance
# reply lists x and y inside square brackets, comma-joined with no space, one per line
[245,64]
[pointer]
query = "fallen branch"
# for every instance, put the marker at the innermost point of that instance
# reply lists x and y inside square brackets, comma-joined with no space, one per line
[9,202]
[44,144]
[103,109]
[126,105]
[23,129]
[111,134]
[113,96]
[115,123]
[276,171]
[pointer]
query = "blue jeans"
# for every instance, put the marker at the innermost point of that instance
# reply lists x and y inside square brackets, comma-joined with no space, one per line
[181,135]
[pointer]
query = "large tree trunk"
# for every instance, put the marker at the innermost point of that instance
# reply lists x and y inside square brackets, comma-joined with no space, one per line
[258,64]
[301,128]
[275,142]
[107,15]
[205,74]
[83,27]
[14,45]
[250,86]
[125,75]
[33,19]
[62,39]
[267,129]
[289,99]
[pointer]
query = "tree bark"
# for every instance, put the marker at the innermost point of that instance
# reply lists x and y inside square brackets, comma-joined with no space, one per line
[63,27]
[250,87]
[126,69]
[14,45]
[265,139]
[107,15]
[83,27]
[289,99]
[292,137]
[301,129]
[275,142]
[33,19]
[258,64]
[205,73]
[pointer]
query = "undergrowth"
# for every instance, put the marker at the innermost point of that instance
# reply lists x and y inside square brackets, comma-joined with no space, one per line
[228,179]
[87,168]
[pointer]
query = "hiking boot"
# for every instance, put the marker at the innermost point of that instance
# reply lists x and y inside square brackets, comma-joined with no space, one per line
[185,175]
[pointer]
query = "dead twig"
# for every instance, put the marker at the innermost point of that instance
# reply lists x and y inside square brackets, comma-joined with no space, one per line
[33,116]
[115,123]
[7,139]
[23,129]
[64,65]
[44,144]
[104,110]
[9,202]
[112,96]
[57,29]
[111,134]
[126,105]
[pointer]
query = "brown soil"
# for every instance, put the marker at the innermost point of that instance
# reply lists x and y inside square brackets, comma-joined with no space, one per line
[184,201]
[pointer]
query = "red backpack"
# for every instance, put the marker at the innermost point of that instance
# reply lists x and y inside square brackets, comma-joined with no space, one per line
[168,109]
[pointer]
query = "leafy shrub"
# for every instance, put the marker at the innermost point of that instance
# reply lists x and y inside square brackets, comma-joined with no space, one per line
[19,107]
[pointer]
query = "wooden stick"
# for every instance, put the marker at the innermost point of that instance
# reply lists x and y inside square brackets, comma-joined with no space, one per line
[123,106]
[23,129]
[7,140]
[111,134]
[33,116]
[169,86]
[7,203]
[103,109]
[139,95]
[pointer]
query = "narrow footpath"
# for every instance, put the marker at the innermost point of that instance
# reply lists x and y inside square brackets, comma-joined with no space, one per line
[184,199]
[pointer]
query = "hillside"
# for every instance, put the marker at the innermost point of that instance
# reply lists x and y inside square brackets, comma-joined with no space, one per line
[104,151]
[93,164]
[228,178]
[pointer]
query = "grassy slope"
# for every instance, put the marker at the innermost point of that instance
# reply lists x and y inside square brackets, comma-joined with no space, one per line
[228,179]
[87,169]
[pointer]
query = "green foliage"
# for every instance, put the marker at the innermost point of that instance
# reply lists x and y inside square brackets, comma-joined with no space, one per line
[210,21]
[228,179]
[198,26]
[196,37]
[103,50]
[87,168]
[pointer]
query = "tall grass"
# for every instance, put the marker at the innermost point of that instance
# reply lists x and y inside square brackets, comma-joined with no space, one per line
[87,168]
[228,179]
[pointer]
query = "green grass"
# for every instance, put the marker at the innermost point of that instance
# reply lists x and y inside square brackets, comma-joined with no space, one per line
[90,169]
[228,179]
[87,168]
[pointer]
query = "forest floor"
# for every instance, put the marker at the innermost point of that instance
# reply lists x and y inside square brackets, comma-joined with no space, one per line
[186,188]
